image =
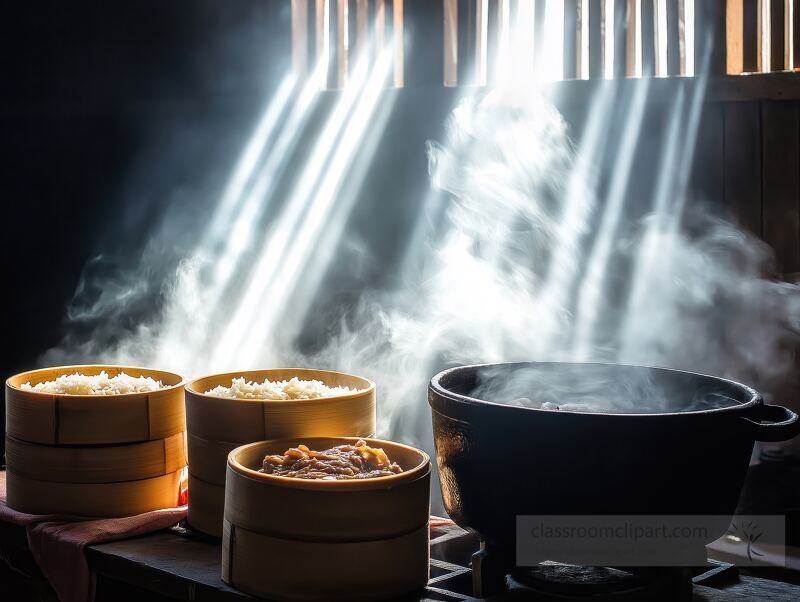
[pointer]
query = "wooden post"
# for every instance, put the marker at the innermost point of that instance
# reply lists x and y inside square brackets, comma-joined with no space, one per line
[633,39]
[481,41]
[362,29]
[450,43]
[300,38]
[380,26]
[764,55]
[734,36]
[788,34]
[342,44]
[399,44]
[582,70]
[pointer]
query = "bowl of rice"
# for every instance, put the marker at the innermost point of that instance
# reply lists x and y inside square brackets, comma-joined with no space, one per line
[224,411]
[94,404]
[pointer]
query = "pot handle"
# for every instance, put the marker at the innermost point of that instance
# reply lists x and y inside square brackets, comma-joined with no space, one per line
[783,423]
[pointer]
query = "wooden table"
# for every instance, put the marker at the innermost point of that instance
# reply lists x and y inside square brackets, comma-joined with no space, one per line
[175,565]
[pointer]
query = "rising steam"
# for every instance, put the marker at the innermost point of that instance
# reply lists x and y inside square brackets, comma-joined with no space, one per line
[505,279]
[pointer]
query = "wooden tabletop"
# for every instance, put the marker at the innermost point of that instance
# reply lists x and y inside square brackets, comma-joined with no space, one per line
[177,565]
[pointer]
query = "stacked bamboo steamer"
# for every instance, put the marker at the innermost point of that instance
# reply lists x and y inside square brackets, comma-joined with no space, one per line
[287,538]
[94,455]
[217,425]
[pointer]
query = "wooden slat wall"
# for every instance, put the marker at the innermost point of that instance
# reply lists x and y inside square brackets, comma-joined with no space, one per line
[760,156]
[742,163]
[780,184]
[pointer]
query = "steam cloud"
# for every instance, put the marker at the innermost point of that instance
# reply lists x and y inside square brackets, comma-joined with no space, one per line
[501,282]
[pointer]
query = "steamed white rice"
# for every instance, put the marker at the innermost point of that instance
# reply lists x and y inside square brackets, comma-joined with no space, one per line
[95,384]
[294,388]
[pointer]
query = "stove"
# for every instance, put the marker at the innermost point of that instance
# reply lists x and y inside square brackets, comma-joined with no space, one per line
[462,568]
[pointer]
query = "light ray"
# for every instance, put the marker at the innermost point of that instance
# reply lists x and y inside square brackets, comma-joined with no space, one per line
[185,331]
[312,256]
[579,203]
[590,294]
[279,237]
[671,193]
[248,162]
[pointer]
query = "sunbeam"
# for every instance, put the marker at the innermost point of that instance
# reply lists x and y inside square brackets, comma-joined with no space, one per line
[594,278]
[281,232]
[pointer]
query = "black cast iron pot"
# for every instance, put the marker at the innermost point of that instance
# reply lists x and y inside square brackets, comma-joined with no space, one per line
[498,461]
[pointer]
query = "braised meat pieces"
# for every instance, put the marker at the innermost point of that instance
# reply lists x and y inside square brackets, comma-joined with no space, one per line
[358,461]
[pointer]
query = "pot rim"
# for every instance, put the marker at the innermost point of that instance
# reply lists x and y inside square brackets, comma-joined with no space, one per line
[436,387]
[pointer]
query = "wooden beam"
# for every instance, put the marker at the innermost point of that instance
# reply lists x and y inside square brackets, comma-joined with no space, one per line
[733,88]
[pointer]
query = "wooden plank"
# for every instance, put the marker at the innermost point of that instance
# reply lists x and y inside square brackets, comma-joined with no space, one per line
[450,56]
[342,43]
[398,43]
[764,48]
[788,34]
[322,36]
[781,181]
[742,164]
[633,48]
[734,37]
[750,36]
[660,37]
[481,42]
[300,37]
[582,40]
[708,169]
[734,88]
[379,27]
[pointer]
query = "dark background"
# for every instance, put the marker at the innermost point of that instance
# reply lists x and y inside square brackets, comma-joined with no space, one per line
[109,109]
[114,112]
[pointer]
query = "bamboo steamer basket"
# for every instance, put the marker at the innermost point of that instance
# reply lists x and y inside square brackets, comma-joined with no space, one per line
[97,464]
[125,498]
[206,502]
[53,419]
[287,538]
[217,425]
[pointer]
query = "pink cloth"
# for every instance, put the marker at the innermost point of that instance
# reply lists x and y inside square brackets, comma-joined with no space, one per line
[57,542]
